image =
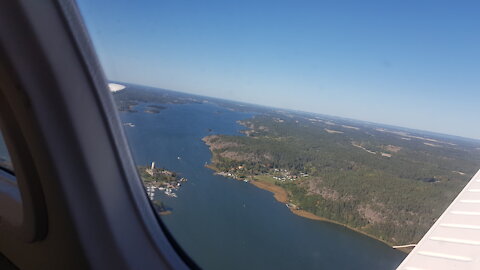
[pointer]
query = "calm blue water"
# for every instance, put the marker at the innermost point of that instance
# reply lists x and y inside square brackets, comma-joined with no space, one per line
[228,224]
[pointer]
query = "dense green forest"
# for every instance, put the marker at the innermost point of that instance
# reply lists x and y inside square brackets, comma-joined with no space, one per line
[390,183]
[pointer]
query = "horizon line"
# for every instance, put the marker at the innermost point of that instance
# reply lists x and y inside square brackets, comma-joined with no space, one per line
[301,111]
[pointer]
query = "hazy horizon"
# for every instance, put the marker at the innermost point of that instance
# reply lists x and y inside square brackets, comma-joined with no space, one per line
[405,63]
[297,110]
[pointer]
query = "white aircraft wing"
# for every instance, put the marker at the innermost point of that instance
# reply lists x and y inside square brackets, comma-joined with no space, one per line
[453,242]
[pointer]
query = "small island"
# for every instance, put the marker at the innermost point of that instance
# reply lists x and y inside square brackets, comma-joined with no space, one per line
[154,108]
[161,179]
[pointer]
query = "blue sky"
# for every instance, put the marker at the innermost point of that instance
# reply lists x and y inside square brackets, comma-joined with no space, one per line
[411,63]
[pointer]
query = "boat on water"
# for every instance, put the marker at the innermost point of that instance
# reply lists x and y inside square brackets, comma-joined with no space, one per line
[169,193]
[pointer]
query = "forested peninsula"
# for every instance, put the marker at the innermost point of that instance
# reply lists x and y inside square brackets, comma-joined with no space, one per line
[387,183]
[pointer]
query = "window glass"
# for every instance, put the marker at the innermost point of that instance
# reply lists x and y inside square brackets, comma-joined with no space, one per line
[12,211]
[5,161]
[295,134]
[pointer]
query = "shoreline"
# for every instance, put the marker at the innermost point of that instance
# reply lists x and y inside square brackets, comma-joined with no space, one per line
[279,194]
[164,213]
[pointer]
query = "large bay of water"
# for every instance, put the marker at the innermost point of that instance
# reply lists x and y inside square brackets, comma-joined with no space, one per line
[226,224]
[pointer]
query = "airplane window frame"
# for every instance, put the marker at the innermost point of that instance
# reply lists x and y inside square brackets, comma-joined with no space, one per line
[70,153]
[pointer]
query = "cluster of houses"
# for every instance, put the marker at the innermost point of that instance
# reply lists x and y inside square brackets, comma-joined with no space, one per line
[167,187]
[278,174]
[283,175]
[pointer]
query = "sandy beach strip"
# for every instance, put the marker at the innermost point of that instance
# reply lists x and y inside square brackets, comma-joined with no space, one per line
[281,195]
